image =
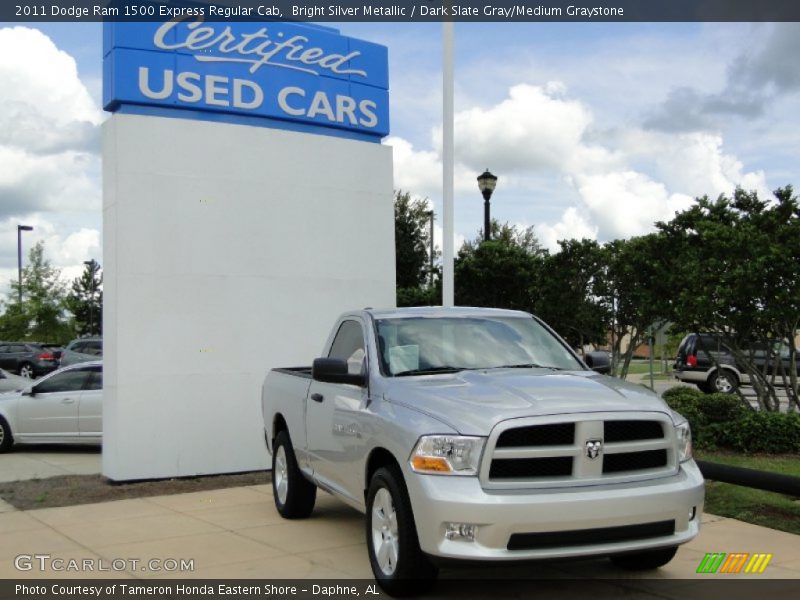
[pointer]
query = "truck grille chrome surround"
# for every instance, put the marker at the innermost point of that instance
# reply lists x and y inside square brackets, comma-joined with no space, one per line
[580,449]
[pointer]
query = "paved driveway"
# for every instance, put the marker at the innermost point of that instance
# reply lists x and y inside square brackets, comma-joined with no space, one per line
[38,462]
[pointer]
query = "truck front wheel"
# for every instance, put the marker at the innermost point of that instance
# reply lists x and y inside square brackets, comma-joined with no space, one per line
[294,494]
[644,561]
[399,566]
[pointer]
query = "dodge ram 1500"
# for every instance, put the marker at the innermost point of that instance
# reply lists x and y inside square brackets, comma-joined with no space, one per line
[479,435]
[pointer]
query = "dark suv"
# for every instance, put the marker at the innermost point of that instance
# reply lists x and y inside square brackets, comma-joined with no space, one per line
[28,359]
[705,360]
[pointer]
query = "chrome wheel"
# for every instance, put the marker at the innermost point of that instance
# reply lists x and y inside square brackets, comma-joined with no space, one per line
[281,475]
[26,371]
[384,531]
[724,383]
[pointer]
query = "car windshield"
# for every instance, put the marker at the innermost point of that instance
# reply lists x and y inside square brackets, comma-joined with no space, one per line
[421,345]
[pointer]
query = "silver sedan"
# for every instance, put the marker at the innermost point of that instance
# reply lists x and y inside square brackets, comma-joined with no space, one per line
[64,406]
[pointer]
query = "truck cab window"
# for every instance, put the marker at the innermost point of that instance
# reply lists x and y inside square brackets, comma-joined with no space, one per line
[349,345]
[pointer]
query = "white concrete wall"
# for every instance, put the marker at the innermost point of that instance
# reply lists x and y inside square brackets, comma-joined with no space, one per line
[228,250]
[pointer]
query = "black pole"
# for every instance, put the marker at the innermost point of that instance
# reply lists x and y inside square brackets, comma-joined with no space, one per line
[487,233]
[760,480]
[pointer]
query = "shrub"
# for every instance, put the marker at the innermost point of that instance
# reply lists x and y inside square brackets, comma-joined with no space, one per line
[721,408]
[762,432]
[724,420]
[681,392]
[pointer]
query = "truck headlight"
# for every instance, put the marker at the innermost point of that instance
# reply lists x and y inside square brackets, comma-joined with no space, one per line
[684,435]
[447,454]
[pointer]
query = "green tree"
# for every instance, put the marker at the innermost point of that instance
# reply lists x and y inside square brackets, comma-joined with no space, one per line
[636,292]
[85,300]
[499,273]
[412,251]
[735,271]
[568,298]
[41,315]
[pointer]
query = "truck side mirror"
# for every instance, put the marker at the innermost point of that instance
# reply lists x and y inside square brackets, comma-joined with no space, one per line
[334,370]
[599,362]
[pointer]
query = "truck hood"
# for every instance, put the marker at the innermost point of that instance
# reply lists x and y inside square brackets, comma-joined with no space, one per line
[473,402]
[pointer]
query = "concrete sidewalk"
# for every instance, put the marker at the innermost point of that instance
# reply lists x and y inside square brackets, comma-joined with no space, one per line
[38,462]
[236,533]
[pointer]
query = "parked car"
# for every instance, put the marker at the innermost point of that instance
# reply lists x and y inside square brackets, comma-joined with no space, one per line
[10,382]
[65,406]
[706,361]
[82,350]
[28,359]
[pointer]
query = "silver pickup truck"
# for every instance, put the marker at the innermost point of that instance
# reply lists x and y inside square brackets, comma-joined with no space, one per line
[479,435]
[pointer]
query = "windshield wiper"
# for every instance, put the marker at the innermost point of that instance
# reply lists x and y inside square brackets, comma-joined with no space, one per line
[529,366]
[431,370]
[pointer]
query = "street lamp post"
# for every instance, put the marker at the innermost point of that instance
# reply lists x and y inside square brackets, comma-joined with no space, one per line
[20,229]
[486,184]
[90,264]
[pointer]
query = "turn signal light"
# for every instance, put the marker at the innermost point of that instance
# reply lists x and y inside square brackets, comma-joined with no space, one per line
[430,463]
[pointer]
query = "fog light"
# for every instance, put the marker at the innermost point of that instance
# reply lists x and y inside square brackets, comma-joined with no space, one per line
[693,513]
[460,531]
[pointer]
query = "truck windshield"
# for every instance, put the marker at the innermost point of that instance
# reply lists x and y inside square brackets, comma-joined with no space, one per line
[420,345]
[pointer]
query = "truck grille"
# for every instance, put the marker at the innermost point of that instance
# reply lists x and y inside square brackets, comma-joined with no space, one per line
[579,449]
[634,461]
[556,434]
[630,431]
[555,466]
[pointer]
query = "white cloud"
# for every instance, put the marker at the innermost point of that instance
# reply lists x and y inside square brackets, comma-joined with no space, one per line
[49,128]
[420,171]
[573,225]
[533,129]
[37,73]
[694,163]
[613,186]
[627,203]
[417,171]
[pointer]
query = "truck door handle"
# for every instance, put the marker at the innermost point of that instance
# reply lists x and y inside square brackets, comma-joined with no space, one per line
[317,397]
[67,401]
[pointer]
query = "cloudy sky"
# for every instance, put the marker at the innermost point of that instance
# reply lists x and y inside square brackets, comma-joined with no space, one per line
[595,130]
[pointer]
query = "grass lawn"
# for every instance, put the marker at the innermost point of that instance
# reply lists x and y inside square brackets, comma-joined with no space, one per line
[642,367]
[754,506]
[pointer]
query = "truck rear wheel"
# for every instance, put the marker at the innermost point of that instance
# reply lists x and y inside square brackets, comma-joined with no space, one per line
[294,494]
[399,566]
[644,561]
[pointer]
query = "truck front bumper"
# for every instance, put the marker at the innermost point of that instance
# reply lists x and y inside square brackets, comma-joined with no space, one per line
[592,520]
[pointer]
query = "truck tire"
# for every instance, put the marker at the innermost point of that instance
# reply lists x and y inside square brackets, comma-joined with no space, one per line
[723,381]
[399,566]
[294,494]
[6,439]
[644,561]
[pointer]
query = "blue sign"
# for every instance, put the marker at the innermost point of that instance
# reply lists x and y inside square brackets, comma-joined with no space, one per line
[301,77]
